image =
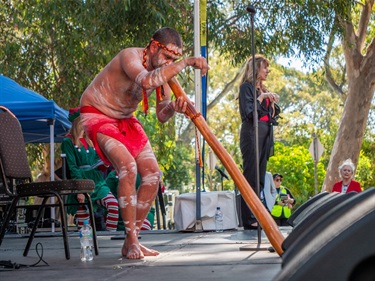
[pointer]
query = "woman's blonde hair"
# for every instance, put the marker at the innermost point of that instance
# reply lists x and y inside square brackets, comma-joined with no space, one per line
[77,132]
[260,60]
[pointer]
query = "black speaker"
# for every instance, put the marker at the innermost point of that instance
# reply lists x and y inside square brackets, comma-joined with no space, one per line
[305,205]
[311,220]
[318,226]
[341,248]
[312,206]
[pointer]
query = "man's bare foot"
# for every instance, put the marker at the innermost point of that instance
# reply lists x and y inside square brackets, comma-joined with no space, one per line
[132,251]
[148,252]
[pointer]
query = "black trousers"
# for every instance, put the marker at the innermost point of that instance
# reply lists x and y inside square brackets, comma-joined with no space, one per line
[281,221]
[248,150]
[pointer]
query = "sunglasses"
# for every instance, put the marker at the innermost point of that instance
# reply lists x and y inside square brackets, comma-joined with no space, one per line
[279,180]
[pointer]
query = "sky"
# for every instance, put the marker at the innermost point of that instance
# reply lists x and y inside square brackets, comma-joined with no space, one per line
[293,63]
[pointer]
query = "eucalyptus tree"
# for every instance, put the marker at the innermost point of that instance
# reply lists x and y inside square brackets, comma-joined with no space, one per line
[337,35]
[312,30]
[57,47]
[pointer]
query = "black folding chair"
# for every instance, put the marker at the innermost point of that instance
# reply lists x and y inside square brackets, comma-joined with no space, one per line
[17,182]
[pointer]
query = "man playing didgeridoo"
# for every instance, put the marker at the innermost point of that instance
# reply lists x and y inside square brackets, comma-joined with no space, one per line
[107,108]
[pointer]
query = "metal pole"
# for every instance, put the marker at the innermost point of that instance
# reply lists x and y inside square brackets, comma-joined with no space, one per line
[198,103]
[203,44]
[52,165]
[252,12]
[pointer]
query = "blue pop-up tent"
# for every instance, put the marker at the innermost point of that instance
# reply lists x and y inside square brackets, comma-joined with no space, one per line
[42,120]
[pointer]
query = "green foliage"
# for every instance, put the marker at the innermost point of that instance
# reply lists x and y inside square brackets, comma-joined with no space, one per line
[365,170]
[173,157]
[35,157]
[297,167]
[305,26]
[57,47]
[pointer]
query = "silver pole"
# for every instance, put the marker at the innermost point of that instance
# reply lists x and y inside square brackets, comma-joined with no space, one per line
[252,12]
[198,106]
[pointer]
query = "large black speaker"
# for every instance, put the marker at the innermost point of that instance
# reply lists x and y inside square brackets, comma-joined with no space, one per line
[341,248]
[317,227]
[310,220]
[308,206]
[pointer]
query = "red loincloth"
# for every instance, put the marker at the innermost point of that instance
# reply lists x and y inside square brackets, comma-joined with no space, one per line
[128,131]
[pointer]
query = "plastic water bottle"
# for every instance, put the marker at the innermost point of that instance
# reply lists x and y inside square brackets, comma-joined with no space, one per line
[85,235]
[219,220]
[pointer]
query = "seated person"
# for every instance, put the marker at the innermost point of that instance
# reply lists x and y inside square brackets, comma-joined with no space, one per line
[268,193]
[284,202]
[83,163]
[112,182]
[347,184]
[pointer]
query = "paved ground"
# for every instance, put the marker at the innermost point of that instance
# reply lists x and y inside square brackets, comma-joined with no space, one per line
[231,255]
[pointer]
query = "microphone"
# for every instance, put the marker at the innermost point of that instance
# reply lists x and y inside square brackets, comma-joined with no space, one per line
[251,9]
[221,172]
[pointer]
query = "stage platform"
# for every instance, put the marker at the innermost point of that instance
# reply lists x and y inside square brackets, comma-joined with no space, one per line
[184,256]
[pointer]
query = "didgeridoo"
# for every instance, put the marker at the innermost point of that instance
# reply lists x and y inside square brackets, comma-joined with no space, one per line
[260,212]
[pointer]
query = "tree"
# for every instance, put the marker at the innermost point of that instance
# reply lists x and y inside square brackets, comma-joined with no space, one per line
[360,63]
[57,47]
[296,166]
[311,30]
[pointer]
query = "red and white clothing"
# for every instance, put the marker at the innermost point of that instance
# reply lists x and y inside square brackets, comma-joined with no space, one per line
[128,131]
[352,186]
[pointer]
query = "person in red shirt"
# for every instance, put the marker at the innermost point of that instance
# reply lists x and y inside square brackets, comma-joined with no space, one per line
[347,184]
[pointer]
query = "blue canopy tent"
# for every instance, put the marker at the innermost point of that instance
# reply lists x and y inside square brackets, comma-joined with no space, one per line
[42,120]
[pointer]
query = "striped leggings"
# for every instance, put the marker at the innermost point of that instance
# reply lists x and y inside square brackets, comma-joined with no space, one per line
[110,203]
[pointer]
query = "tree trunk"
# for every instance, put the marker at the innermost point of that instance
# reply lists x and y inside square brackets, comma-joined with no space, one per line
[361,81]
[352,127]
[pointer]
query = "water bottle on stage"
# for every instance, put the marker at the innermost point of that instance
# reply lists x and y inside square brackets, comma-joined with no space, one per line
[219,220]
[85,235]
